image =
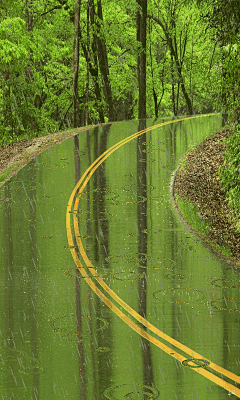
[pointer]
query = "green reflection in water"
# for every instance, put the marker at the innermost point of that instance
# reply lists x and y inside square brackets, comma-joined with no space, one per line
[72,335]
[18,361]
[236,285]
[132,258]
[222,304]
[120,275]
[152,393]
[184,295]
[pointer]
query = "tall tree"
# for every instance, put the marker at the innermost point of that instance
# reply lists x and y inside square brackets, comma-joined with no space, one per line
[170,34]
[76,64]
[222,19]
[174,55]
[155,97]
[93,65]
[88,54]
[29,121]
[141,59]
[103,61]
[43,29]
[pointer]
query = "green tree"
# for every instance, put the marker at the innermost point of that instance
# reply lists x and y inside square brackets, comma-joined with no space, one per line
[76,65]
[141,59]
[183,72]
[170,35]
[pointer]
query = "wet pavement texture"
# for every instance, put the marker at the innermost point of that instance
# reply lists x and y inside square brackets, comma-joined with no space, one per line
[105,294]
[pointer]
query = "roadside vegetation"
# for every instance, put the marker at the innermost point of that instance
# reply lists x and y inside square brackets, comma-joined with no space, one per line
[192,215]
[229,173]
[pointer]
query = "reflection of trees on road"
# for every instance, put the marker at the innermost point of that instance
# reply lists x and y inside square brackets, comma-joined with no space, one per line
[142,248]
[99,235]
[8,289]
[78,284]
[33,255]
[15,286]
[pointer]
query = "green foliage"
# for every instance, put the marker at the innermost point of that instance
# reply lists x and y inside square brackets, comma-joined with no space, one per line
[14,44]
[36,97]
[4,176]
[191,215]
[230,85]
[229,173]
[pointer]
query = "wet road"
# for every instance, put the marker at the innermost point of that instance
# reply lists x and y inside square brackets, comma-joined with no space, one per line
[105,293]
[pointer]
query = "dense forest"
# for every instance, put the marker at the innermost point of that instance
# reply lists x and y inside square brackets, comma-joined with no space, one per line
[70,63]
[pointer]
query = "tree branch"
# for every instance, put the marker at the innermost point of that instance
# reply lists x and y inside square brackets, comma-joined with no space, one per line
[54,8]
[125,51]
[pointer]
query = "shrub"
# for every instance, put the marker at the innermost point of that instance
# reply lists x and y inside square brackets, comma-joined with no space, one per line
[229,173]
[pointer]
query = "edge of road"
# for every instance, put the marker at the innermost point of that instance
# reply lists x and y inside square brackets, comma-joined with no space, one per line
[38,145]
[229,260]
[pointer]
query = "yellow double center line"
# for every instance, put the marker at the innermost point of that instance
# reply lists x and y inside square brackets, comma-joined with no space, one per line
[80,187]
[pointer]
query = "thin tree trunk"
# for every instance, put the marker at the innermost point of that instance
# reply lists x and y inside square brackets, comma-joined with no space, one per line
[178,87]
[224,74]
[103,64]
[191,91]
[153,88]
[88,53]
[155,103]
[93,68]
[6,93]
[184,91]
[141,59]
[29,26]
[178,65]
[29,120]
[179,70]
[76,65]
[173,87]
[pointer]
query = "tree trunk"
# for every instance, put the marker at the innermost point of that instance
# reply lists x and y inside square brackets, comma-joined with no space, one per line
[178,65]
[29,26]
[141,59]
[173,87]
[6,93]
[76,65]
[155,103]
[153,88]
[93,68]
[30,120]
[88,52]
[179,70]
[103,64]
[178,87]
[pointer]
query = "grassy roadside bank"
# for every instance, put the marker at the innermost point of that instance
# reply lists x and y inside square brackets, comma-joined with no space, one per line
[192,215]
[201,200]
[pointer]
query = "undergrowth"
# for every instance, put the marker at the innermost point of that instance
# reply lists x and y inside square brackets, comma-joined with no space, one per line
[229,173]
[193,217]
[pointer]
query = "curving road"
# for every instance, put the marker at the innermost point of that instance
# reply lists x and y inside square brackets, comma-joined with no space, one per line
[125,303]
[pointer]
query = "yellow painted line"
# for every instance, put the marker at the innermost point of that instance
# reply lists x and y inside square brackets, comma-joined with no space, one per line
[113,294]
[128,139]
[207,374]
[140,331]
